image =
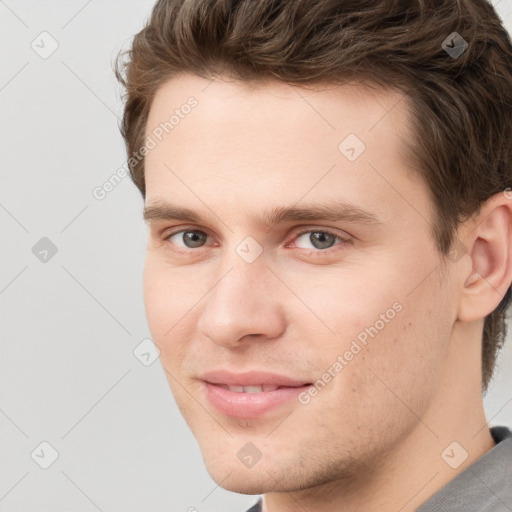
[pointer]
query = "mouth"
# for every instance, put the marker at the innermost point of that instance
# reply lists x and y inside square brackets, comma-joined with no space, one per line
[255,388]
[247,396]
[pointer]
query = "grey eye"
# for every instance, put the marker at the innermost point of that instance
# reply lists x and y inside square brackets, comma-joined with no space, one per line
[319,239]
[189,239]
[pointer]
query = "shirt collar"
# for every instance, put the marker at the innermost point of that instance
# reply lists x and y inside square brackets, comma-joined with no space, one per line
[484,485]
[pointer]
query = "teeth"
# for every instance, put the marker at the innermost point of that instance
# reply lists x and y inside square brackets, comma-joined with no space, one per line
[251,389]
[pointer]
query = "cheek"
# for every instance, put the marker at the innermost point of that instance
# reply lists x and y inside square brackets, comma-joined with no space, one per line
[166,308]
[155,299]
[173,299]
[342,305]
[169,295]
[389,344]
[396,372]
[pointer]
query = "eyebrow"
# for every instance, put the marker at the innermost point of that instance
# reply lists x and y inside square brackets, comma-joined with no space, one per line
[333,211]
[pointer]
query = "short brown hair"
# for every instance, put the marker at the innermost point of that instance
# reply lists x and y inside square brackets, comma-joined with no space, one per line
[461,104]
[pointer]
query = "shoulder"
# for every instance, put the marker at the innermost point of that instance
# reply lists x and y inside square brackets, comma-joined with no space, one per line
[256,507]
[486,485]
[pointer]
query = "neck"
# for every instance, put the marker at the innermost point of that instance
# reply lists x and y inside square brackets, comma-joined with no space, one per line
[450,436]
[416,470]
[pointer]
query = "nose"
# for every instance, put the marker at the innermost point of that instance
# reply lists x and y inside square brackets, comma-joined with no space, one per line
[243,304]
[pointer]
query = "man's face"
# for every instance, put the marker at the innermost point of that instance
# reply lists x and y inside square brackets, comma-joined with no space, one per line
[352,309]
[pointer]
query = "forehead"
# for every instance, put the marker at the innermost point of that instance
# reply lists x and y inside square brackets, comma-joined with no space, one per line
[275,105]
[270,143]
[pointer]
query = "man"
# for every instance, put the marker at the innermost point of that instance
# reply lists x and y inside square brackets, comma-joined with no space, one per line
[327,190]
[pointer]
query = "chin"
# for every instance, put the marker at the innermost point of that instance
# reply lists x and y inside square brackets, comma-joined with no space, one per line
[247,488]
[248,481]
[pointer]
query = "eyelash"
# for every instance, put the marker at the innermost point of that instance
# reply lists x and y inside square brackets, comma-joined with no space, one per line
[344,241]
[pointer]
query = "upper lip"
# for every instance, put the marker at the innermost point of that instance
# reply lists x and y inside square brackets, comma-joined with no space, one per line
[251,378]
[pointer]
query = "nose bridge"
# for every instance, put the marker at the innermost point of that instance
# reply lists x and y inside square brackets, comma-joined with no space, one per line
[241,302]
[244,269]
[240,284]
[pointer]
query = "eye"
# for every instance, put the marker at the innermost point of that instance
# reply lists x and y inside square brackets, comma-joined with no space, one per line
[320,239]
[187,238]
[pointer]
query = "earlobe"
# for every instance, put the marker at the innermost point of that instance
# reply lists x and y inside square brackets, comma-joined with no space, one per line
[489,241]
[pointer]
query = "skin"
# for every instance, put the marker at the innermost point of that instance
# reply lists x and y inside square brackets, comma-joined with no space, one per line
[372,438]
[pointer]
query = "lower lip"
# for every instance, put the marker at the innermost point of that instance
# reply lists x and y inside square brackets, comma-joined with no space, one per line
[249,405]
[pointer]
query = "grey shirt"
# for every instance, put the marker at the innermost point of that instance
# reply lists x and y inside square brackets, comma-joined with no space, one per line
[485,486]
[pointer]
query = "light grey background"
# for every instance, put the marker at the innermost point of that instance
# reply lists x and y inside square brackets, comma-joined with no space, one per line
[70,324]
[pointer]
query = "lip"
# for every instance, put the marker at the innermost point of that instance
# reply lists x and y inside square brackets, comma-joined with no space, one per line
[249,405]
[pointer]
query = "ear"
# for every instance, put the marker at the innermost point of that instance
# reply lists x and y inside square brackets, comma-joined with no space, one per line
[488,240]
